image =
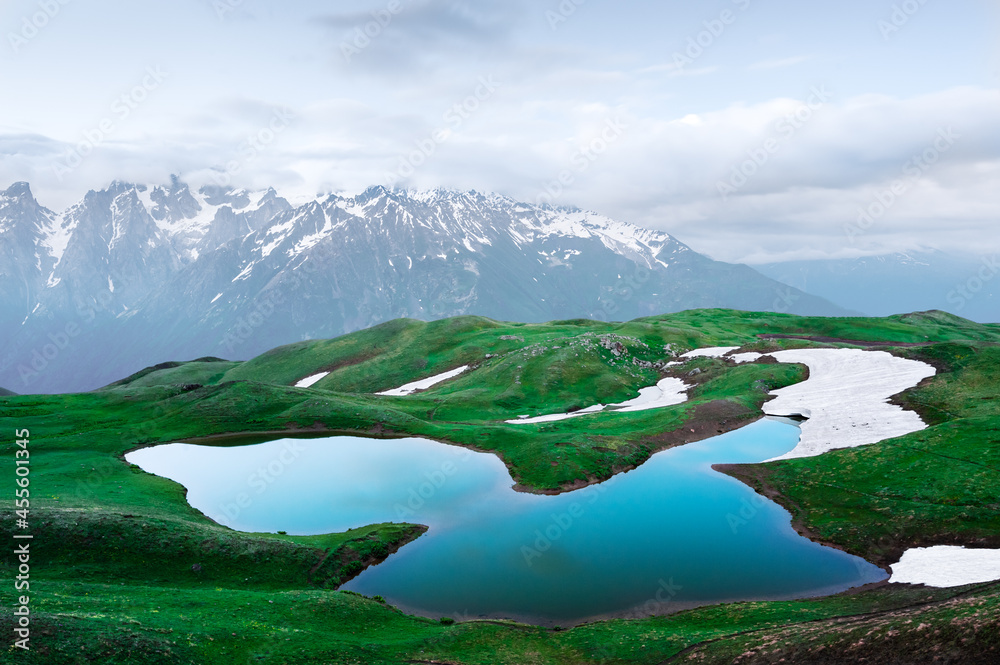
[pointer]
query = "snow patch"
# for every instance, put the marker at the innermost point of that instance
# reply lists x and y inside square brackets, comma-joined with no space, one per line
[310,381]
[423,384]
[711,352]
[751,357]
[846,398]
[309,241]
[946,566]
[667,392]
[555,417]
[245,273]
[266,251]
[145,196]
[57,236]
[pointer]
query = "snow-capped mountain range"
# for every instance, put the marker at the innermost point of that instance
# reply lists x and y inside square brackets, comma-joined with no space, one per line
[136,275]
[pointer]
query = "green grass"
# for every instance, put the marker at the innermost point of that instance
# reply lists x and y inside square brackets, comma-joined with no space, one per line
[87,622]
[126,566]
[92,546]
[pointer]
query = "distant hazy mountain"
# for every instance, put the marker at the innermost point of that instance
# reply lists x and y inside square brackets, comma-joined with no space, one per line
[900,283]
[135,275]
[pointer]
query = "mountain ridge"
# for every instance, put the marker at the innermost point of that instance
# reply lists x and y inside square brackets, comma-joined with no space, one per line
[135,274]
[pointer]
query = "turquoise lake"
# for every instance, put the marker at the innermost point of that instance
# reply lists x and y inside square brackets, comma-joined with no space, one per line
[669,535]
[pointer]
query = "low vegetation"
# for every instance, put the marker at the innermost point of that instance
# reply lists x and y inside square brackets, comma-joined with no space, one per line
[124,570]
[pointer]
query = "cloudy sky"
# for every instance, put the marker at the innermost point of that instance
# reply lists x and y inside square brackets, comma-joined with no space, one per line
[752,130]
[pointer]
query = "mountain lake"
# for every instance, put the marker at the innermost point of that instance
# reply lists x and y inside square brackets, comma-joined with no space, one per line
[669,535]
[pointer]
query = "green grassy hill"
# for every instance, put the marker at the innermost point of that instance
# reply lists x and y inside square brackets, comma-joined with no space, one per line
[126,566]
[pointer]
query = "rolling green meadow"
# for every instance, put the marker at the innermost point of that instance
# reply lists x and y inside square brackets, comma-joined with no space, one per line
[123,570]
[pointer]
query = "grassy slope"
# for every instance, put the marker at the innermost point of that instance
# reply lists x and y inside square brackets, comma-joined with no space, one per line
[89,622]
[199,582]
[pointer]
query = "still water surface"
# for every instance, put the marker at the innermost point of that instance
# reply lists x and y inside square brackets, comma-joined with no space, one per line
[671,534]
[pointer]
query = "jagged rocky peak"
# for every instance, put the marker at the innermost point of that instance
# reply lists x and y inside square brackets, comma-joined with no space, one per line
[22,215]
[376,192]
[117,192]
[18,190]
[17,200]
[270,200]
[371,196]
[179,268]
[237,199]
[173,202]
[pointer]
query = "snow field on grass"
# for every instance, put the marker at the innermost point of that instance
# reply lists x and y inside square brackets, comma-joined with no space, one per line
[667,392]
[946,566]
[423,384]
[310,381]
[711,352]
[846,398]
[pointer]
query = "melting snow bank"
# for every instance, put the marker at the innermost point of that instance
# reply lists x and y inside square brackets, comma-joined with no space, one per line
[711,352]
[597,408]
[846,398]
[946,566]
[667,392]
[310,381]
[423,384]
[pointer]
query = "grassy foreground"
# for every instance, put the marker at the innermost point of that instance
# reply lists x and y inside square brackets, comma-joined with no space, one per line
[123,570]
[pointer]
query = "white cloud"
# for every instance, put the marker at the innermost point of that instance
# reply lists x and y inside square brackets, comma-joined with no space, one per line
[661,172]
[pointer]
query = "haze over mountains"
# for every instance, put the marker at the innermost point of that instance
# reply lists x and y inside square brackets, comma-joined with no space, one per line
[135,275]
[901,282]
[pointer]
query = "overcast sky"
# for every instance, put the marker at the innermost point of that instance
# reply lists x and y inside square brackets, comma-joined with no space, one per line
[750,129]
